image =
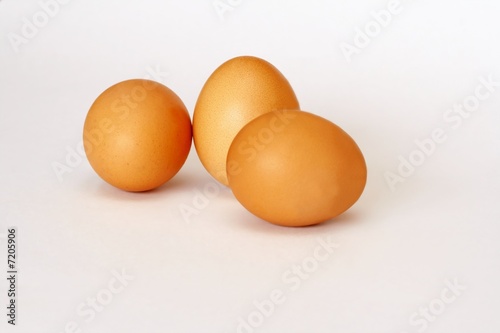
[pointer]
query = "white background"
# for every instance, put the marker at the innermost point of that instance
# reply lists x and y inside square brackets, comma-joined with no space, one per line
[201,274]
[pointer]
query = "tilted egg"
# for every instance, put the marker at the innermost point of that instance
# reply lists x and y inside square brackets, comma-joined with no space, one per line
[240,90]
[293,168]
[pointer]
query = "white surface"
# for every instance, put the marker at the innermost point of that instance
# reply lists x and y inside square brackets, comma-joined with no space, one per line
[396,250]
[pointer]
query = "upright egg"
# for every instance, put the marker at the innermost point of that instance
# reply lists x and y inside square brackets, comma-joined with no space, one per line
[240,90]
[293,168]
[137,135]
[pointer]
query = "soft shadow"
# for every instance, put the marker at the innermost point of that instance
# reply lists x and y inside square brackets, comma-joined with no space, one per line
[255,224]
[179,182]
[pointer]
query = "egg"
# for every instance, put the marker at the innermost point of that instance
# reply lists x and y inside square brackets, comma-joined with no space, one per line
[240,90]
[293,168]
[137,135]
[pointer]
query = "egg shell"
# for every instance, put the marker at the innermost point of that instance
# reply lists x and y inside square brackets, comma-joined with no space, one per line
[137,135]
[240,90]
[293,168]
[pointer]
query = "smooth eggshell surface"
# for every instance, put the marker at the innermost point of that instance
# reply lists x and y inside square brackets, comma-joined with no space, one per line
[238,91]
[137,135]
[293,168]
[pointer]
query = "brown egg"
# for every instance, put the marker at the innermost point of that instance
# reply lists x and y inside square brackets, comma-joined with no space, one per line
[293,168]
[238,91]
[137,135]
